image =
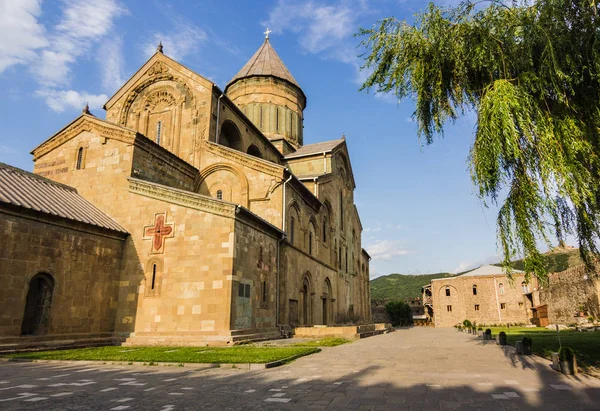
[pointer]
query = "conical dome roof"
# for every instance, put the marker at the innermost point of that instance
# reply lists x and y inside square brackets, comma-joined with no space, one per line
[265,62]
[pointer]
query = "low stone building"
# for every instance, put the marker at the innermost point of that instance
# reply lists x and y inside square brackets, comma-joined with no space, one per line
[213,222]
[484,295]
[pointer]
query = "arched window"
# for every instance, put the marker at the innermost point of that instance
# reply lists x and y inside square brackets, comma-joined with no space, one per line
[324,229]
[501,288]
[154,271]
[37,306]
[254,151]
[525,287]
[230,136]
[158,131]
[474,289]
[260,117]
[292,229]
[341,210]
[447,291]
[310,242]
[219,194]
[153,285]
[79,163]
[277,119]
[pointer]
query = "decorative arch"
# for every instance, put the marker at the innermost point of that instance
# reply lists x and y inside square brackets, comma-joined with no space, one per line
[230,180]
[326,301]
[133,94]
[312,235]
[294,222]
[474,289]
[38,304]
[306,293]
[230,136]
[254,151]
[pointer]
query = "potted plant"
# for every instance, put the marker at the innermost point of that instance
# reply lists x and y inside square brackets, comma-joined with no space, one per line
[581,309]
[467,324]
[568,362]
[488,334]
[526,345]
[502,338]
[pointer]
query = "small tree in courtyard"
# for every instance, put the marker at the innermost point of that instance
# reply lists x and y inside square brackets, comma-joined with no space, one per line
[399,312]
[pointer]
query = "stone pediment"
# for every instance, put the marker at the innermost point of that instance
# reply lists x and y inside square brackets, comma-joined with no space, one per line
[85,122]
[158,67]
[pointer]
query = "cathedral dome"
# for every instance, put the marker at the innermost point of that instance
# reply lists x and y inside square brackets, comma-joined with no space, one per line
[265,90]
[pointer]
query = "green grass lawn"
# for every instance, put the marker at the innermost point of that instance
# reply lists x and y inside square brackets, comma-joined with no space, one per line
[585,344]
[209,355]
[323,342]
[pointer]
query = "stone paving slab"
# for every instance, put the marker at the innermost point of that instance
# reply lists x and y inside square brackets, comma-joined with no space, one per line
[410,369]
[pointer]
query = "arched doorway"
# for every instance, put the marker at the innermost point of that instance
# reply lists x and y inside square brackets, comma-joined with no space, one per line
[254,151]
[306,301]
[326,301]
[37,306]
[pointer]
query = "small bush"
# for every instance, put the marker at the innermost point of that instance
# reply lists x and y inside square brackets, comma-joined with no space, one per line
[399,312]
[467,323]
[566,354]
[480,329]
[502,334]
[527,341]
[591,319]
[488,331]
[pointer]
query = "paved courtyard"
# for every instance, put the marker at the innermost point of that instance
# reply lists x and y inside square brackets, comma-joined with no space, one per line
[409,369]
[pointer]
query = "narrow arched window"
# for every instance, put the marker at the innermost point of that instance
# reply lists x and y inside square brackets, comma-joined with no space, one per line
[79,164]
[447,291]
[310,242]
[324,230]
[474,289]
[158,131]
[260,117]
[219,195]
[342,210]
[153,276]
[292,222]
[501,288]
[277,119]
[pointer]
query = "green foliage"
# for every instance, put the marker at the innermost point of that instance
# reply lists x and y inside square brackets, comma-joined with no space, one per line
[241,354]
[530,70]
[527,341]
[467,323]
[323,342]
[400,286]
[399,312]
[591,319]
[566,354]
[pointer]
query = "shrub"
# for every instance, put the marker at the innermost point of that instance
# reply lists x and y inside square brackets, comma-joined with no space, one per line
[566,354]
[467,323]
[480,329]
[591,319]
[527,341]
[488,331]
[399,312]
[502,334]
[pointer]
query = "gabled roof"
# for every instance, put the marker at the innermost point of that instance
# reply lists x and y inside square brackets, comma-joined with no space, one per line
[488,270]
[316,148]
[32,192]
[265,62]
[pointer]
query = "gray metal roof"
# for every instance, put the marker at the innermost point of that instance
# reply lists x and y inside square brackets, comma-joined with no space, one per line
[311,149]
[488,270]
[30,191]
[265,62]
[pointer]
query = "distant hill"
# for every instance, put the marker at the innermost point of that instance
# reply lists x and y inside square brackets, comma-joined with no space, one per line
[557,260]
[401,286]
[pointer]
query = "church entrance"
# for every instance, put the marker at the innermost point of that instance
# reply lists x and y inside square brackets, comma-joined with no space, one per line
[37,308]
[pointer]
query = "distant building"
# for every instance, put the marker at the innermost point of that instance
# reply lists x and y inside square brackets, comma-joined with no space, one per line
[484,295]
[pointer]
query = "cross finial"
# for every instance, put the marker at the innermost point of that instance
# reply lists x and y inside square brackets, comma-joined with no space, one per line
[86,109]
[266,33]
[160,47]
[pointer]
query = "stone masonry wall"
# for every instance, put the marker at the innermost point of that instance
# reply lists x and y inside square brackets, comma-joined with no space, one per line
[85,266]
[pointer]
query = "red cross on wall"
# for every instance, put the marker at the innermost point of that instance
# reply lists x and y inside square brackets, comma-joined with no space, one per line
[158,232]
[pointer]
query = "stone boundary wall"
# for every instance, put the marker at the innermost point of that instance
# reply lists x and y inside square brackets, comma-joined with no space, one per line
[567,291]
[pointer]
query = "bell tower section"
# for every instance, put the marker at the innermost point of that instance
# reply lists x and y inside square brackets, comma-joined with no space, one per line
[270,97]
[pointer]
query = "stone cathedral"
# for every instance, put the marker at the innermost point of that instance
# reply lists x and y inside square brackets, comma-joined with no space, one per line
[190,215]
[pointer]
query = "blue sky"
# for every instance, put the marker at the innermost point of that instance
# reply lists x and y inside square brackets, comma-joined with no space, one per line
[417,203]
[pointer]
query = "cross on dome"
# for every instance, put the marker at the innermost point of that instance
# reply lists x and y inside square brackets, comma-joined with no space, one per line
[266,33]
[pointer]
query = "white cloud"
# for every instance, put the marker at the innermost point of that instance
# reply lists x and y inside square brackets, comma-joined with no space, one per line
[110,58]
[386,250]
[59,100]
[186,38]
[22,34]
[82,25]
[322,27]
[471,265]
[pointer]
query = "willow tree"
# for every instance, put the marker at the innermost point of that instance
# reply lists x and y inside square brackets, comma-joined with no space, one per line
[530,71]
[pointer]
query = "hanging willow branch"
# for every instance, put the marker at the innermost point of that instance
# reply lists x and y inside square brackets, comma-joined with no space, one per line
[531,72]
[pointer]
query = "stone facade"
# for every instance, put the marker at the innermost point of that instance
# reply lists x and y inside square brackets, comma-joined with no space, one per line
[228,238]
[62,251]
[484,299]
